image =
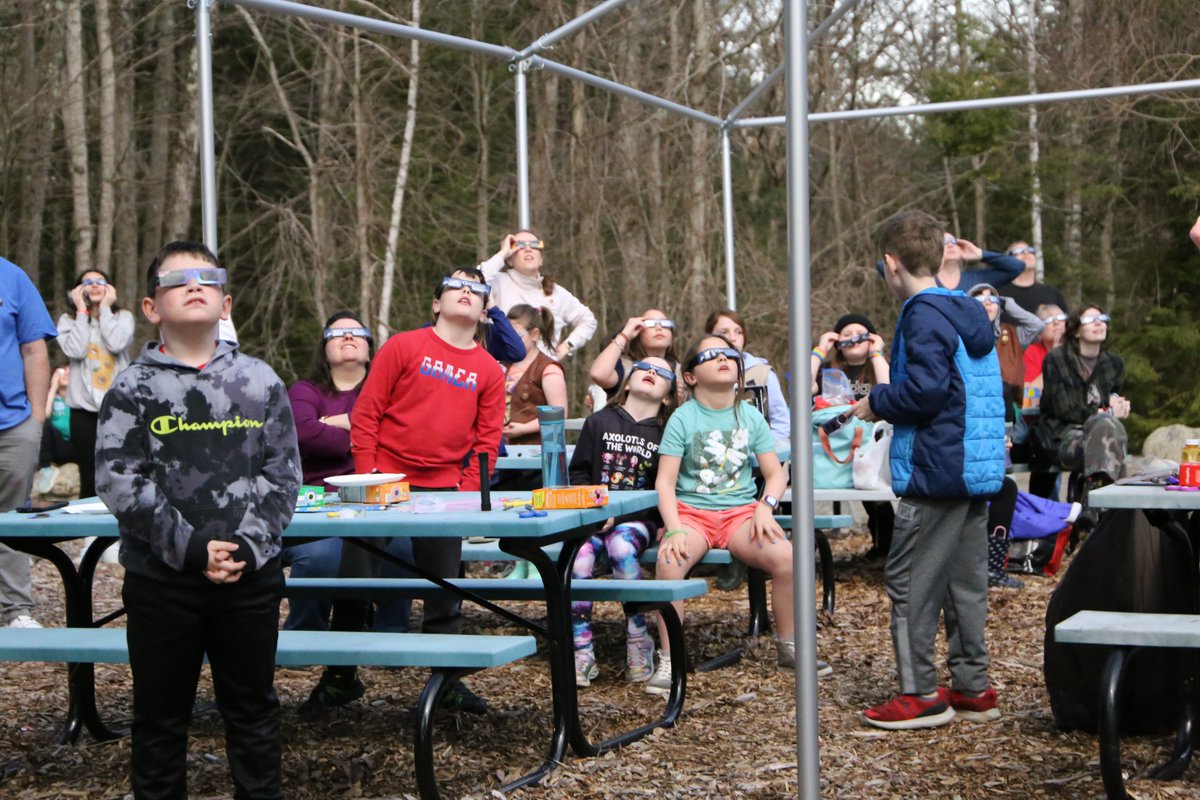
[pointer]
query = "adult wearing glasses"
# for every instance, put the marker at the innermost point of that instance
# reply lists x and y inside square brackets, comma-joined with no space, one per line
[1082,406]
[855,348]
[651,333]
[515,275]
[998,270]
[1011,341]
[760,377]
[95,335]
[321,406]
[1025,288]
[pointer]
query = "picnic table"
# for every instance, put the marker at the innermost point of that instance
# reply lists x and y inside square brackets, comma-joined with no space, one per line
[1171,512]
[425,515]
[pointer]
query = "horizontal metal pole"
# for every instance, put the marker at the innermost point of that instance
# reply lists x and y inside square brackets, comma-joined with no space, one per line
[288,8]
[545,40]
[777,73]
[622,89]
[981,103]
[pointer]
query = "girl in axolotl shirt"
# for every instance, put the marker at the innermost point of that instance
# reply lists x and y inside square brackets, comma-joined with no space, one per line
[618,447]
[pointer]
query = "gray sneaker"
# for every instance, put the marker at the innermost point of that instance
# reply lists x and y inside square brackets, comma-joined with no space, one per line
[639,659]
[660,682]
[586,670]
[786,649]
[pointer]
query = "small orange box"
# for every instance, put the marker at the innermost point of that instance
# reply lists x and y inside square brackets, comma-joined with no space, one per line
[570,497]
[381,494]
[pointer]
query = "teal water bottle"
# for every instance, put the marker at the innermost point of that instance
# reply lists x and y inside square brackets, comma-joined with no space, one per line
[553,422]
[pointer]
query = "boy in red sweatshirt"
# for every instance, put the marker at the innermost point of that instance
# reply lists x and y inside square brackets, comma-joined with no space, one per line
[434,399]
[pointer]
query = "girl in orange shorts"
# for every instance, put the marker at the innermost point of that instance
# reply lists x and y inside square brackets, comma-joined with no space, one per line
[707,496]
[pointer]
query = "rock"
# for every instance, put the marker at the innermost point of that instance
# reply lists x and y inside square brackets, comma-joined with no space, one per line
[1168,442]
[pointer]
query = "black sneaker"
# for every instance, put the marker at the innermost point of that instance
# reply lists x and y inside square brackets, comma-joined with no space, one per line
[337,687]
[1005,582]
[458,697]
[732,575]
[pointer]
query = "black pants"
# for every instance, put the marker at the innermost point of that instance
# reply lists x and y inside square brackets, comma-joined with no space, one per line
[83,440]
[442,557]
[881,519]
[171,627]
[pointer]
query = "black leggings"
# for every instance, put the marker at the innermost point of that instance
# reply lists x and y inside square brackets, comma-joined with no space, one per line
[83,440]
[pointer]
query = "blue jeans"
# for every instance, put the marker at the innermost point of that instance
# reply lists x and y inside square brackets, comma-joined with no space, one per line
[320,559]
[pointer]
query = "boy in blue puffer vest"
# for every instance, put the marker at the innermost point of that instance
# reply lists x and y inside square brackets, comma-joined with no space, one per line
[946,402]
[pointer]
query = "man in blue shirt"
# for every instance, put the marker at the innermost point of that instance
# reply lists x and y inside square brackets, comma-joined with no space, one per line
[24,382]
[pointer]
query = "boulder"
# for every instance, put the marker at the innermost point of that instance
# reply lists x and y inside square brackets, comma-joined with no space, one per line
[1168,442]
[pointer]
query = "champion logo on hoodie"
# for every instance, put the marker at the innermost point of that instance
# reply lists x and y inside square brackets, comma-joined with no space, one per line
[167,424]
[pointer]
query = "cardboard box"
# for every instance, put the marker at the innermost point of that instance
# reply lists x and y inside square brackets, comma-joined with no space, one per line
[570,497]
[310,498]
[381,494]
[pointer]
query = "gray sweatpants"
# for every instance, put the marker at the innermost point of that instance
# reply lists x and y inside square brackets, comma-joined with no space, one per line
[18,462]
[938,563]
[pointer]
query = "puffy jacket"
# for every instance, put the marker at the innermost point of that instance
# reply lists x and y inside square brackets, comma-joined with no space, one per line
[945,400]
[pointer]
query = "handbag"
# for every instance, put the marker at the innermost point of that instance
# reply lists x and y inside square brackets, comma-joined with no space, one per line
[871,464]
[833,452]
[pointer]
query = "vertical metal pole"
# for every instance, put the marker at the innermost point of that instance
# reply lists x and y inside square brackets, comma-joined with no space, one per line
[727,203]
[208,164]
[522,147]
[1035,193]
[808,782]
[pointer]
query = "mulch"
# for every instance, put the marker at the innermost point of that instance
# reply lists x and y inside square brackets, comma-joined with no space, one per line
[736,738]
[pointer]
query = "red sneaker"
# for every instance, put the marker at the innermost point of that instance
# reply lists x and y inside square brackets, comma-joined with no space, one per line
[981,708]
[907,711]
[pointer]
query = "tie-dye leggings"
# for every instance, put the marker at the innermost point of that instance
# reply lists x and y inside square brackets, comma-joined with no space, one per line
[619,547]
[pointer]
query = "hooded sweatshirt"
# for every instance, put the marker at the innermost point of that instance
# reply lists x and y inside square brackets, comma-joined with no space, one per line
[185,456]
[945,399]
[510,288]
[619,452]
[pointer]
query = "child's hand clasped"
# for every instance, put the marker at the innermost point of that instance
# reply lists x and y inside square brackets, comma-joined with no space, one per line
[221,566]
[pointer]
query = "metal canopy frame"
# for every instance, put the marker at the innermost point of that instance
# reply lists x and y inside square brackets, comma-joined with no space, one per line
[797,118]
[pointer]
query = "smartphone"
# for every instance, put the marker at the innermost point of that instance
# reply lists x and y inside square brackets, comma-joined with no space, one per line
[41,507]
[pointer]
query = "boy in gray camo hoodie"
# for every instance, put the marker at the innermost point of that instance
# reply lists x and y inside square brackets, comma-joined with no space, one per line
[197,459]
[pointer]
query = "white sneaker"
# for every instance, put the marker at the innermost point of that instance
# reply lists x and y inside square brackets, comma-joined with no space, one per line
[660,682]
[24,621]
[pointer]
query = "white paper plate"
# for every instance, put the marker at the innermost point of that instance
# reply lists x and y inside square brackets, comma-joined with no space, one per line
[372,479]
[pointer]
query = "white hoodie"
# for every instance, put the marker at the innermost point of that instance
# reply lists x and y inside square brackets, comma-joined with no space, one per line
[511,288]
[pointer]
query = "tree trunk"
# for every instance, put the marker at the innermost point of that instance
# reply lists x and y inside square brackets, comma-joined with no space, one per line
[954,223]
[75,133]
[980,186]
[362,192]
[163,114]
[1074,194]
[1035,179]
[105,213]
[696,236]
[186,161]
[36,79]
[126,261]
[410,124]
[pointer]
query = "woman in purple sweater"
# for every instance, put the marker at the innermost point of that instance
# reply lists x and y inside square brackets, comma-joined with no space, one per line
[321,406]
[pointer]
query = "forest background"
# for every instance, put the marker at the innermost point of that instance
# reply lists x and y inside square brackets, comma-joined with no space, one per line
[353,168]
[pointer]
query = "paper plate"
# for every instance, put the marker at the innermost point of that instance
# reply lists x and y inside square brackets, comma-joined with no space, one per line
[372,479]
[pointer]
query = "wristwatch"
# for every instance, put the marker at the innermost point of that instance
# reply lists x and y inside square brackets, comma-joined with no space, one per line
[771,502]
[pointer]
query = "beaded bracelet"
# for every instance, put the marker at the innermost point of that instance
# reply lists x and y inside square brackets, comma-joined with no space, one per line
[819,353]
[877,354]
[620,345]
[673,532]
